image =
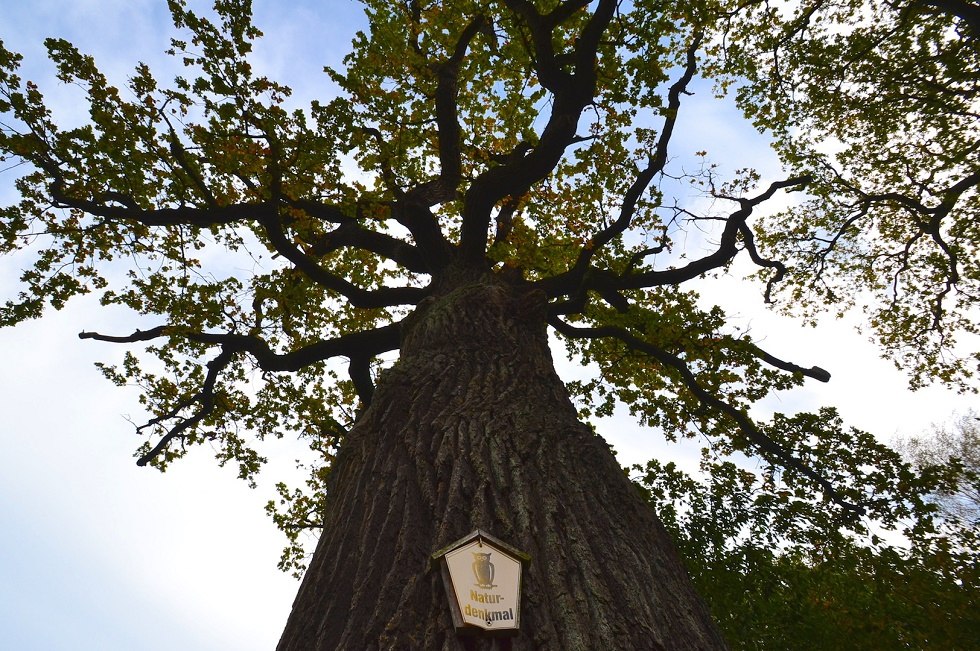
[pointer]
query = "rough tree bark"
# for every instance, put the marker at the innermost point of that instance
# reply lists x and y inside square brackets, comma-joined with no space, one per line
[472,428]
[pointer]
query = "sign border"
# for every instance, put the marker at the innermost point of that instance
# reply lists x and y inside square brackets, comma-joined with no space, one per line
[439,557]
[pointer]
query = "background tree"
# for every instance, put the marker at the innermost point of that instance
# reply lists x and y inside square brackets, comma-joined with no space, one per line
[780,569]
[488,170]
[958,446]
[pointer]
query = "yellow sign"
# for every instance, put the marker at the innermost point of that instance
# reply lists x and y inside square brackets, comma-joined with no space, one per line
[483,582]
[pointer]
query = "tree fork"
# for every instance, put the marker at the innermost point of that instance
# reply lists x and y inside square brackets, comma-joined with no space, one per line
[472,428]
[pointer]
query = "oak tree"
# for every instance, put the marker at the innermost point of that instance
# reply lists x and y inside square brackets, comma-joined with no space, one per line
[380,272]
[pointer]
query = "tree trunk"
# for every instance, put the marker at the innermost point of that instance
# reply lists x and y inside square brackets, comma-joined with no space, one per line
[472,428]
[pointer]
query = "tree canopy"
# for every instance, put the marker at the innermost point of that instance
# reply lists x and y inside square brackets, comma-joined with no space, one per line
[276,251]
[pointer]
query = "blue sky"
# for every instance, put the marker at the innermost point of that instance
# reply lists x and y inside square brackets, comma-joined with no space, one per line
[96,553]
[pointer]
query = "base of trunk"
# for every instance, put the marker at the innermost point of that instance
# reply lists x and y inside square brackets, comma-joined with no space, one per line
[472,429]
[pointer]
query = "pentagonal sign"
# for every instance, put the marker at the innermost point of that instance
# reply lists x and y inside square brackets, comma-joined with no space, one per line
[483,583]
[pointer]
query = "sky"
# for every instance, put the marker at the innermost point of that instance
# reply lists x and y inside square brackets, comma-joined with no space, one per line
[96,553]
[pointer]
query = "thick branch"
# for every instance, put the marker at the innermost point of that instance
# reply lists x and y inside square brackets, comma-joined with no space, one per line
[180,155]
[572,93]
[137,336]
[727,247]
[204,398]
[575,283]
[928,221]
[368,343]
[745,424]
[359,371]
[412,207]
[182,216]
[414,214]
[748,240]
[814,372]
[360,347]
[352,234]
[348,233]
[447,118]
[655,165]
[546,64]
[358,297]
[443,188]
[968,12]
